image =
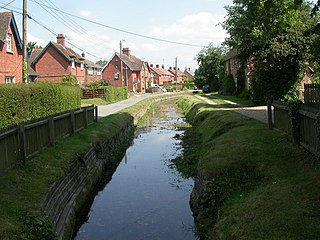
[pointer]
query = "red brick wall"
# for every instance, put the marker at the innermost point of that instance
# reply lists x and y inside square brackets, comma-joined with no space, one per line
[52,66]
[10,63]
[108,72]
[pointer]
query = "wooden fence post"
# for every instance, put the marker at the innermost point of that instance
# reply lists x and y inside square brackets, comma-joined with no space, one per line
[51,130]
[269,107]
[96,113]
[22,144]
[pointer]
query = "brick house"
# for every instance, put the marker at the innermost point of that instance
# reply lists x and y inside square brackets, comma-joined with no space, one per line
[135,74]
[180,75]
[10,50]
[189,74]
[160,75]
[57,61]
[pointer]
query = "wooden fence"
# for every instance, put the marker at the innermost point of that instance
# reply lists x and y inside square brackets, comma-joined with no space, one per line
[93,93]
[308,132]
[22,142]
[311,94]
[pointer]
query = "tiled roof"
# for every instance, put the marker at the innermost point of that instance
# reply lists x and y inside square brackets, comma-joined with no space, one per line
[162,71]
[34,54]
[134,63]
[91,64]
[179,73]
[5,18]
[67,52]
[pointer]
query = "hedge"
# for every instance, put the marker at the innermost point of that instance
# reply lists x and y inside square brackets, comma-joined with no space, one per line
[115,94]
[23,102]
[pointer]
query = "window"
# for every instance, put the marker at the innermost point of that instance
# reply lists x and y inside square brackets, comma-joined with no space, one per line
[99,72]
[117,75]
[10,80]
[81,65]
[73,65]
[9,43]
[90,71]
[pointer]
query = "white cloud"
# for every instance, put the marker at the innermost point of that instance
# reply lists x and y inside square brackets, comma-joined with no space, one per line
[39,41]
[200,28]
[152,47]
[83,12]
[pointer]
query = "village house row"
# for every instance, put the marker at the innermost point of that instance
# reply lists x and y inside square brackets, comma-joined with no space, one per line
[55,61]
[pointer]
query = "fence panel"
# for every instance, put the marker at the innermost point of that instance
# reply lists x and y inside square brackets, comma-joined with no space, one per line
[9,149]
[37,137]
[281,117]
[80,121]
[26,140]
[308,129]
[93,93]
[312,94]
[62,126]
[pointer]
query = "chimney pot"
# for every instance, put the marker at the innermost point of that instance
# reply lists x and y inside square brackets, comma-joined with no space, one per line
[126,51]
[157,66]
[162,66]
[61,39]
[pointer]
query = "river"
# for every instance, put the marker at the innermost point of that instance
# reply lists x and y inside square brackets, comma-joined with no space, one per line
[146,198]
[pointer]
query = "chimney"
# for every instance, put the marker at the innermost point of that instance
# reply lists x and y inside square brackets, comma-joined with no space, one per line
[162,66]
[157,66]
[126,51]
[61,39]
[151,65]
[170,68]
[83,55]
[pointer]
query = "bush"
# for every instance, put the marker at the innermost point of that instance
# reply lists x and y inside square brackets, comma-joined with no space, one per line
[245,94]
[228,86]
[115,94]
[23,102]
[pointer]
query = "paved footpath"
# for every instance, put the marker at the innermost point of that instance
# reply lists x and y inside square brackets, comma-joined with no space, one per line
[259,113]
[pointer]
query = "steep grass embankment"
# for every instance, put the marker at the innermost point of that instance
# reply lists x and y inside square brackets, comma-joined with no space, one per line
[251,183]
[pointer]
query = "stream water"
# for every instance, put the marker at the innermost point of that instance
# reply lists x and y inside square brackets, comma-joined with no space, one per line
[146,197]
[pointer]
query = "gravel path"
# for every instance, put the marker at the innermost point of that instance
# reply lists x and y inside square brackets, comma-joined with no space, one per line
[257,112]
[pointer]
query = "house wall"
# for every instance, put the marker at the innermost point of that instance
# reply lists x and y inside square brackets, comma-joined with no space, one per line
[10,63]
[110,70]
[90,78]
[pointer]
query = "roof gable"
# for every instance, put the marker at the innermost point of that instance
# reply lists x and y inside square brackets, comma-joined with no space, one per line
[7,19]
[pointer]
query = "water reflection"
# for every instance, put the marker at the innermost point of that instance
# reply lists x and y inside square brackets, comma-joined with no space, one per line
[146,198]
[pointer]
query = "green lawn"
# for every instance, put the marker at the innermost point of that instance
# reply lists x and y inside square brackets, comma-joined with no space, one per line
[241,101]
[260,186]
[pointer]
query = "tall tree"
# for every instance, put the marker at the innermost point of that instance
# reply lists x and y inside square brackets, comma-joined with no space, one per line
[102,63]
[31,46]
[210,69]
[275,35]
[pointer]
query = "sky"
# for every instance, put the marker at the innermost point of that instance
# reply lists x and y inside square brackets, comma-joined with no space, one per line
[193,22]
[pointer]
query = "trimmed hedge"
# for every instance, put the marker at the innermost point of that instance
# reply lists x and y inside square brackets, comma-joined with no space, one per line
[24,102]
[116,94]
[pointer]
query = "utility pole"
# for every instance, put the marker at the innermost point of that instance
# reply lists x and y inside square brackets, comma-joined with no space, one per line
[24,43]
[176,73]
[121,77]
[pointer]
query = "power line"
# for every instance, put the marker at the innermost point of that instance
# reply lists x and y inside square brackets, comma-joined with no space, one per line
[54,33]
[121,30]
[7,4]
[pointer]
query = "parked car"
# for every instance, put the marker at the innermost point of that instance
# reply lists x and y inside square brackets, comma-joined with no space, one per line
[205,88]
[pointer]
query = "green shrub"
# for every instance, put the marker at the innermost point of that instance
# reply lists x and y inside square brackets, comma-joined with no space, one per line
[23,102]
[115,94]
[228,86]
[245,94]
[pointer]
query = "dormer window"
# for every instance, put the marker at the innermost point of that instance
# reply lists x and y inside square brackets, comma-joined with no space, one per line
[82,65]
[73,65]
[9,43]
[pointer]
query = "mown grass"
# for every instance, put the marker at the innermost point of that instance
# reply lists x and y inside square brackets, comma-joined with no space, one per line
[23,188]
[260,186]
[240,101]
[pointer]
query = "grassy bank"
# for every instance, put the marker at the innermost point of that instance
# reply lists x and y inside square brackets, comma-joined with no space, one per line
[257,184]
[23,188]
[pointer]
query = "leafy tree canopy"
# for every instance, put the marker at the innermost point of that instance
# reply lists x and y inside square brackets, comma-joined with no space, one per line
[102,63]
[210,68]
[276,35]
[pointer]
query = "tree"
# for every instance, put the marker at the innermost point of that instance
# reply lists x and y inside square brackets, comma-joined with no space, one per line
[275,34]
[102,63]
[210,68]
[31,46]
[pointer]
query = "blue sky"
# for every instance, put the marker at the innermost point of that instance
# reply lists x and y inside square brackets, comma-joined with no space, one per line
[187,21]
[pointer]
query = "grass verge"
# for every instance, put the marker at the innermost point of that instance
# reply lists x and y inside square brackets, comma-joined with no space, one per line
[251,183]
[23,188]
[240,101]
